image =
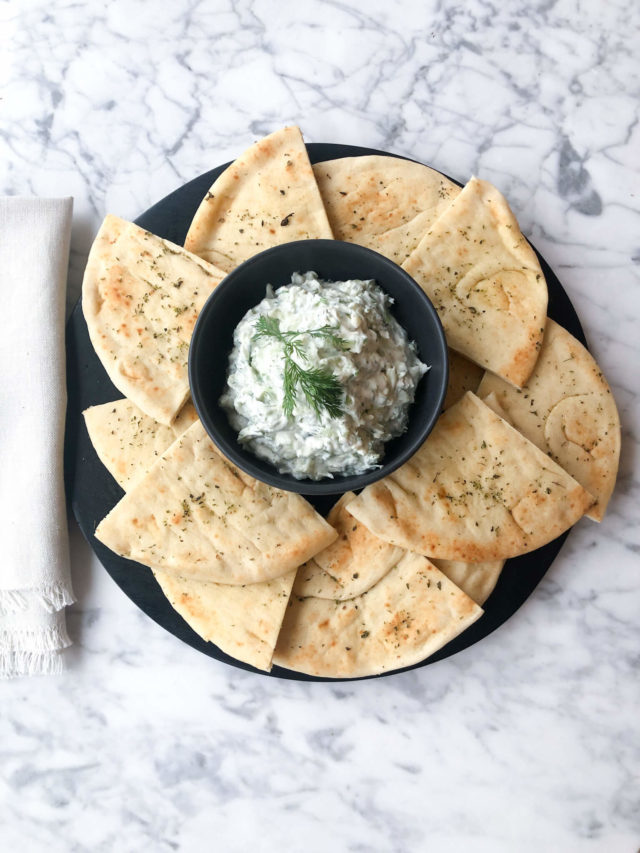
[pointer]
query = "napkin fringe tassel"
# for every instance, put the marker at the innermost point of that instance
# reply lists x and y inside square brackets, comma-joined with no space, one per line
[52,598]
[17,663]
[50,639]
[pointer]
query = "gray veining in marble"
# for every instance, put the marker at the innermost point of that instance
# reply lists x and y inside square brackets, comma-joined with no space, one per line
[528,741]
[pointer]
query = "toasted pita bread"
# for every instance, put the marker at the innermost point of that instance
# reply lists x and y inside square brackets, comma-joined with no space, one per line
[127,441]
[268,196]
[349,566]
[243,621]
[477,580]
[141,296]
[406,617]
[485,282]
[464,376]
[357,560]
[384,203]
[567,410]
[476,490]
[197,515]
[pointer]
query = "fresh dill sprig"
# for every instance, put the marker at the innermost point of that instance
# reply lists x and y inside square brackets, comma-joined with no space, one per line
[319,385]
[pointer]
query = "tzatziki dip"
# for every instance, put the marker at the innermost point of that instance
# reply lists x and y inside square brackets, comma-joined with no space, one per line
[320,377]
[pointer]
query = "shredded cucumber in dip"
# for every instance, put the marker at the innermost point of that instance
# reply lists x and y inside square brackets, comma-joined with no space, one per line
[320,377]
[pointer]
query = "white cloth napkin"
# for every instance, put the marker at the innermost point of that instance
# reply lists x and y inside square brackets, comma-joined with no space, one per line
[35,582]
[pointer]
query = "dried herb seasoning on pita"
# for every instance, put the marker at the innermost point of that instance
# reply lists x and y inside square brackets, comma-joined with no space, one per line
[404,618]
[567,410]
[384,203]
[197,515]
[141,297]
[476,490]
[127,441]
[268,196]
[485,282]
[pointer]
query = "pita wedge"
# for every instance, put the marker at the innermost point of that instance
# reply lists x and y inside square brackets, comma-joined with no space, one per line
[141,296]
[567,410]
[485,282]
[384,203]
[349,566]
[464,376]
[406,617]
[268,196]
[476,490]
[357,560]
[477,580]
[127,441]
[197,515]
[243,621]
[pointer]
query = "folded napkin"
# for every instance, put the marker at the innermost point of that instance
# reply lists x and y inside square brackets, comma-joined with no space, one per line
[35,583]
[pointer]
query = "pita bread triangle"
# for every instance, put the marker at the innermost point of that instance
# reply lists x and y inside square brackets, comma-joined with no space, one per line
[476,490]
[268,196]
[141,297]
[384,203]
[404,618]
[198,516]
[567,410]
[127,441]
[485,282]
[243,621]
[477,580]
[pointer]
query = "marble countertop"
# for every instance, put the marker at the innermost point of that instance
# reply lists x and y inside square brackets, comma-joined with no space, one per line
[527,741]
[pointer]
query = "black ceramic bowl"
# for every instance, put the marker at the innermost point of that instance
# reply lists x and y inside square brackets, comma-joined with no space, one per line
[333,260]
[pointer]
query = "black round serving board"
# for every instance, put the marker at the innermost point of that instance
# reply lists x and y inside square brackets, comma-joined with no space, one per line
[92,492]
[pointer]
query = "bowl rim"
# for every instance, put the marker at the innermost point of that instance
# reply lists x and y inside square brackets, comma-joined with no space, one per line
[243,458]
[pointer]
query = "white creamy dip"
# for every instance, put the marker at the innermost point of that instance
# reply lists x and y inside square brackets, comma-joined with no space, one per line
[374,362]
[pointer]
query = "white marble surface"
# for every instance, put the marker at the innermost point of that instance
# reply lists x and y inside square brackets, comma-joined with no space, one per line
[528,741]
